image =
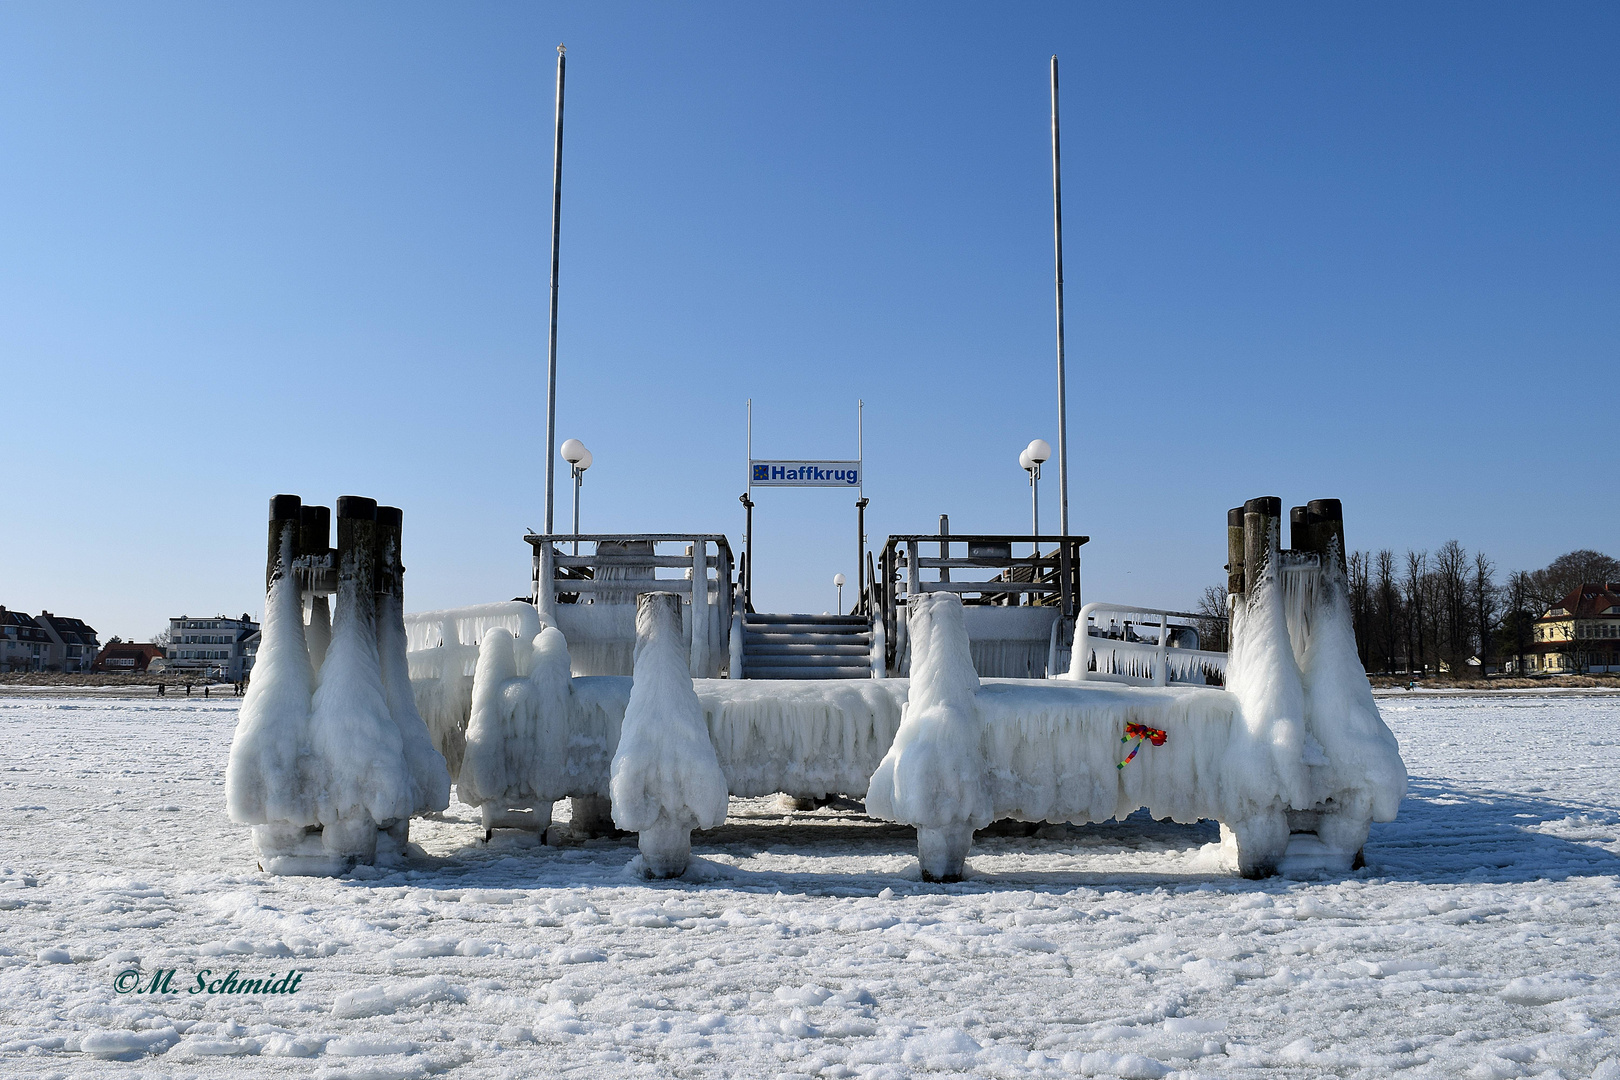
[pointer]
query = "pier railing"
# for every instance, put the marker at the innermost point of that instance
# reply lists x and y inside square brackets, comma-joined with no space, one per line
[614,567]
[1152,650]
[1043,578]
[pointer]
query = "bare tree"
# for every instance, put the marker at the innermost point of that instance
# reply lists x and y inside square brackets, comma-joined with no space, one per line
[1454,625]
[1486,599]
[1359,582]
[1389,602]
[1213,627]
[1517,632]
[1568,572]
[1417,569]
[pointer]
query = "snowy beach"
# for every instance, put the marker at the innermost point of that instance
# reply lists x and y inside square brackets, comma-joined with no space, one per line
[1482,939]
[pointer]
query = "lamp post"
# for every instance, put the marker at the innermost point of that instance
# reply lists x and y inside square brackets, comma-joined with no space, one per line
[574,452]
[838,581]
[1030,461]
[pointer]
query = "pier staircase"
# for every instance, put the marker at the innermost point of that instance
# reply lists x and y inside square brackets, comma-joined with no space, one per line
[807,646]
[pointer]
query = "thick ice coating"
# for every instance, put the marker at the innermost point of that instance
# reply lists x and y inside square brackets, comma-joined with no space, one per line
[320,766]
[430,777]
[267,779]
[517,739]
[442,647]
[934,776]
[665,778]
[367,782]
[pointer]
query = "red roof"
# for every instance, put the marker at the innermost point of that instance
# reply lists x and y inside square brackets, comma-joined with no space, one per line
[1587,601]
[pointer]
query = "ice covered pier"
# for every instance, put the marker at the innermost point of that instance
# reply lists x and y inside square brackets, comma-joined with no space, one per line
[1291,757]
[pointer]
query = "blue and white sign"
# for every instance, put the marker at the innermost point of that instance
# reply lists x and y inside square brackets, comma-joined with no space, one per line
[804,473]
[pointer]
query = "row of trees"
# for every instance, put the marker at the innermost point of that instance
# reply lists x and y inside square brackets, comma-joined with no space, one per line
[1421,611]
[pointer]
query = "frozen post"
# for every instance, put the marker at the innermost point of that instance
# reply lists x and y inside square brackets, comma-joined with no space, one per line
[429,773]
[1234,552]
[545,581]
[267,781]
[934,775]
[368,785]
[1327,527]
[315,545]
[700,608]
[286,513]
[1260,517]
[666,780]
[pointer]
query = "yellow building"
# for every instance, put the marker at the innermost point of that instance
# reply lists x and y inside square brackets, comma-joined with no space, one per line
[1580,634]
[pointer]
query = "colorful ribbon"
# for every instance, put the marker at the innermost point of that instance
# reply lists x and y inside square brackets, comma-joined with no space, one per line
[1141,733]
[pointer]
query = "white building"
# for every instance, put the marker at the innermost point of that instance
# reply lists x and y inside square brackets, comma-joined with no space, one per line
[221,647]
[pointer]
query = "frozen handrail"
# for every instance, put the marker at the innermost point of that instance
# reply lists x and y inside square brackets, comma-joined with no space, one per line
[624,565]
[1160,657]
[1049,578]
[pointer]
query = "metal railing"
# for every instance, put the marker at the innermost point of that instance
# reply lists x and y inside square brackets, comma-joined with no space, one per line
[1045,578]
[1147,661]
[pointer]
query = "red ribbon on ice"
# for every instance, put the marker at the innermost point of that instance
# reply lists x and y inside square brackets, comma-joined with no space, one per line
[1141,733]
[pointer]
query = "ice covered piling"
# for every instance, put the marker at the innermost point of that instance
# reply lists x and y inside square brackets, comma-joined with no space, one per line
[430,779]
[934,775]
[267,778]
[321,766]
[666,780]
[314,549]
[1312,763]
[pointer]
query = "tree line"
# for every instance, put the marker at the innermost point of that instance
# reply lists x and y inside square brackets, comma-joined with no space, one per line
[1421,610]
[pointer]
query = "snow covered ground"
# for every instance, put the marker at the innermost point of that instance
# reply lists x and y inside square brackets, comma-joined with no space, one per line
[1482,939]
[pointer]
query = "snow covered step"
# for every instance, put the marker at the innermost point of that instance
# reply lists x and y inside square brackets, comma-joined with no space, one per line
[805,660]
[792,646]
[758,671]
[767,645]
[819,620]
[791,632]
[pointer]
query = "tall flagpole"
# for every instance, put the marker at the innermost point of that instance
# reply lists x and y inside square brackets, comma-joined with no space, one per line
[551,352]
[1057,247]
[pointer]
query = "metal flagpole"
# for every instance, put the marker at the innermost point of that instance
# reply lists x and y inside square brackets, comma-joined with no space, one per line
[860,501]
[1057,247]
[748,504]
[551,352]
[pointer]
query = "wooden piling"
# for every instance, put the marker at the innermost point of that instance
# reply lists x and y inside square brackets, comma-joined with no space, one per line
[285,514]
[1327,523]
[357,558]
[1234,551]
[315,531]
[1260,517]
[1299,529]
[390,570]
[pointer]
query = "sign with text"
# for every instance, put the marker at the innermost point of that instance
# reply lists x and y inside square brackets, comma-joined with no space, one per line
[804,473]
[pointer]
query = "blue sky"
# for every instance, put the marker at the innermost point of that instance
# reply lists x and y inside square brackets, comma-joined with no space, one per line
[1353,251]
